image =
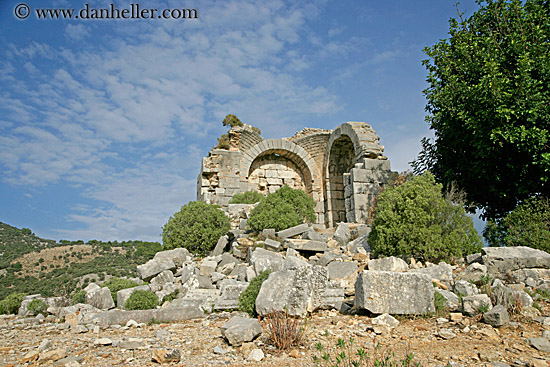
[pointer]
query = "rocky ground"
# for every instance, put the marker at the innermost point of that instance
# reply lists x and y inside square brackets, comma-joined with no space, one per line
[452,340]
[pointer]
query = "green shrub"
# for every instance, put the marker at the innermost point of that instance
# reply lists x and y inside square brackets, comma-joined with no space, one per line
[440,303]
[116,284]
[247,299]
[78,297]
[196,227]
[11,303]
[282,209]
[142,300]
[527,225]
[414,219]
[248,197]
[37,306]
[170,297]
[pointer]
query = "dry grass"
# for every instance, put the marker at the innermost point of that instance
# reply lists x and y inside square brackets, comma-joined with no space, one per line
[285,331]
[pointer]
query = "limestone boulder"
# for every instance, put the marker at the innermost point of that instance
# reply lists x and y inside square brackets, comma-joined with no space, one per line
[221,245]
[442,272]
[262,259]
[297,291]
[391,263]
[239,330]
[464,288]
[100,298]
[178,255]
[342,234]
[474,273]
[394,293]
[452,302]
[154,267]
[293,231]
[473,305]
[158,282]
[230,290]
[497,316]
[503,260]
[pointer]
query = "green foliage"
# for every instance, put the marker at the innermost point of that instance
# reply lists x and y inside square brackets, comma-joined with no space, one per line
[414,219]
[344,354]
[489,104]
[247,299]
[142,300]
[231,121]
[11,303]
[526,225]
[196,227]
[170,297]
[282,209]
[248,197]
[79,297]
[440,303]
[16,242]
[37,306]
[115,284]
[26,231]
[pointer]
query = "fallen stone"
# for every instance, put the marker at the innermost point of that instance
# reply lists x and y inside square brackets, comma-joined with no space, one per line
[272,245]
[219,350]
[442,272]
[452,301]
[292,231]
[103,341]
[123,294]
[446,334]
[30,356]
[100,298]
[385,319]
[52,355]
[342,234]
[473,305]
[307,246]
[132,344]
[157,283]
[341,269]
[391,263]
[230,290]
[166,356]
[153,267]
[497,316]
[262,259]
[473,273]
[464,288]
[503,260]
[178,255]
[540,344]
[255,355]
[394,293]
[357,245]
[239,330]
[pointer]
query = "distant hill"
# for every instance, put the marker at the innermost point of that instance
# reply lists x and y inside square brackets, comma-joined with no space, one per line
[30,264]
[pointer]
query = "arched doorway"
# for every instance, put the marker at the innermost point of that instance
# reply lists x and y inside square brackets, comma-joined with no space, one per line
[340,161]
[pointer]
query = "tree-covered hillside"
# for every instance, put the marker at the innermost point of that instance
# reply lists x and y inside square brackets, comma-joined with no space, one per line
[29,264]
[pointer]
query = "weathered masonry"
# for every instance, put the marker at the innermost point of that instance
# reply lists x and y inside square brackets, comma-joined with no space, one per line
[341,169]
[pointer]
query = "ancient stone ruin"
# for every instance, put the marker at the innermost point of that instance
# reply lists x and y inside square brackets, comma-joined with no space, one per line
[341,169]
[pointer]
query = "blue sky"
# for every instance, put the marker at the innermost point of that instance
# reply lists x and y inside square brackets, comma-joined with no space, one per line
[103,123]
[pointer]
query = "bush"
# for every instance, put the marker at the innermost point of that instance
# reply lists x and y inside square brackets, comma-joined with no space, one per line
[78,297]
[527,225]
[196,227]
[142,300]
[284,331]
[11,303]
[414,219]
[247,299]
[116,284]
[248,197]
[282,209]
[170,297]
[37,306]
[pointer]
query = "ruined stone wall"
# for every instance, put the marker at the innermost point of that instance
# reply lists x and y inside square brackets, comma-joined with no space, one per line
[342,170]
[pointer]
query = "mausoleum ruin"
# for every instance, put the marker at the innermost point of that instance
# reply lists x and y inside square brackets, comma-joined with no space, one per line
[341,169]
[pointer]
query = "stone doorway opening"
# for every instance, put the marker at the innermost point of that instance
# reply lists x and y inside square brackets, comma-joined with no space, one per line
[340,162]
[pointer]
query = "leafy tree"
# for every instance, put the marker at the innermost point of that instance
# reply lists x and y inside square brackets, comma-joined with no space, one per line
[489,104]
[196,227]
[11,303]
[248,197]
[282,209]
[527,225]
[414,219]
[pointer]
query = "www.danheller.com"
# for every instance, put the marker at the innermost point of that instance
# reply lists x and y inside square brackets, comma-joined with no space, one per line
[134,11]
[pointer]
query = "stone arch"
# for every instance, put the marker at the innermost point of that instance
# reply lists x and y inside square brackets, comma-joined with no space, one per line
[295,158]
[349,144]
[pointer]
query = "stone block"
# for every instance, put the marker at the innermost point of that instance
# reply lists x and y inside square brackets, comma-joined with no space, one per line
[391,263]
[474,273]
[465,288]
[442,272]
[376,164]
[262,259]
[221,245]
[153,267]
[158,282]
[473,305]
[272,245]
[230,290]
[497,316]
[178,255]
[451,299]
[306,245]
[100,298]
[501,260]
[239,330]
[208,267]
[293,231]
[342,234]
[394,293]
[341,269]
